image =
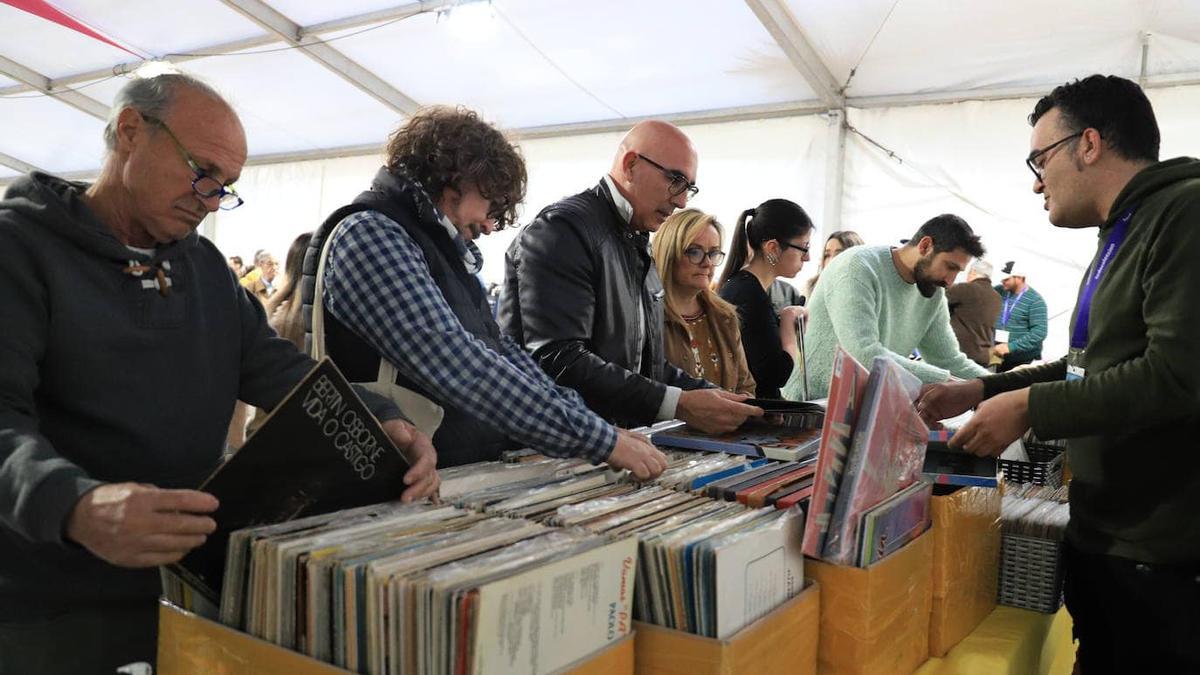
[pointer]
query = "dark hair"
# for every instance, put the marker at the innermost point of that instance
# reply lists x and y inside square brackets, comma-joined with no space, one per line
[290,325]
[777,219]
[446,147]
[235,259]
[1113,106]
[949,233]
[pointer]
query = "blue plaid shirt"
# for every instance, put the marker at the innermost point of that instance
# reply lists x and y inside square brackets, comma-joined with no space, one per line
[377,283]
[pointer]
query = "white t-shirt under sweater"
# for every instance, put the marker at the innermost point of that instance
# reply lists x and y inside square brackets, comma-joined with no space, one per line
[863,305]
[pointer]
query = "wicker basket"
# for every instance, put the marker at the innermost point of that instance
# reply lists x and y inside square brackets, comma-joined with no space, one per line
[1045,467]
[1031,573]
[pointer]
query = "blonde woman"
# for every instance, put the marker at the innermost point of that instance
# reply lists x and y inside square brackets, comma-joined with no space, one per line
[701,333]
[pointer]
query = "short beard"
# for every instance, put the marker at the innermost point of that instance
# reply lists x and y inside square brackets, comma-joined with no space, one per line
[925,285]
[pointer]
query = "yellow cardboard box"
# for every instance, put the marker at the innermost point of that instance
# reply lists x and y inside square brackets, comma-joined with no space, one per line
[966,562]
[189,644]
[784,641]
[875,621]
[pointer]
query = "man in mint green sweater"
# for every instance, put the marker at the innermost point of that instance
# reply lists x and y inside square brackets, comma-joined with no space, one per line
[1127,396]
[881,301]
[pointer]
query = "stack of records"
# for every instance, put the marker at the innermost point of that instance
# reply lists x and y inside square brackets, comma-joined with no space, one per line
[872,447]
[408,589]
[707,567]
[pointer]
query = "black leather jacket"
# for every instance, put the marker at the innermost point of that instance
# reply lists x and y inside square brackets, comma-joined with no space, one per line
[574,281]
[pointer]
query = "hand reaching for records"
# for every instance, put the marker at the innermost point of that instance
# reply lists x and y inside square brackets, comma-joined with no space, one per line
[937,402]
[137,525]
[998,422]
[715,411]
[635,453]
[422,477]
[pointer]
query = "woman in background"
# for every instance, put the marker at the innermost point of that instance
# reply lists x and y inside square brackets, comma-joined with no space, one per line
[777,232]
[283,308]
[283,314]
[701,332]
[834,244]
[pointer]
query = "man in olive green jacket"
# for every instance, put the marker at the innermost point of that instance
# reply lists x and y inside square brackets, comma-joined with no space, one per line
[1127,397]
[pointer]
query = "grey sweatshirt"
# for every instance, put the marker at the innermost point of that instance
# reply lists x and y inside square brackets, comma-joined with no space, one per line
[105,379]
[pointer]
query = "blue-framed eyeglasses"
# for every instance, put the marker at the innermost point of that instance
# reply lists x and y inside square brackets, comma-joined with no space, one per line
[204,185]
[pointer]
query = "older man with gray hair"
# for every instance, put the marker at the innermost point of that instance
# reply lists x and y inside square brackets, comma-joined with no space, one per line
[126,342]
[974,307]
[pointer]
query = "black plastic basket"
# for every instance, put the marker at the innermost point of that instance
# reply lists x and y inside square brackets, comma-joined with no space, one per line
[1031,573]
[1045,467]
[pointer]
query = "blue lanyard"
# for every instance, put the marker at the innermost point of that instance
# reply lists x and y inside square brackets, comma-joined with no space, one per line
[1083,310]
[1009,307]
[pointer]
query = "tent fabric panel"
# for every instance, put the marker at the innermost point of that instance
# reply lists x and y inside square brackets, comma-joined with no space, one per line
[288,102]
[928,46]
[483,65]
[159,28]
[50,49]
[50,134]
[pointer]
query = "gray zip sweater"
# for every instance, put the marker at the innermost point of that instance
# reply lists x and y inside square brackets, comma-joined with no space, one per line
[105,379]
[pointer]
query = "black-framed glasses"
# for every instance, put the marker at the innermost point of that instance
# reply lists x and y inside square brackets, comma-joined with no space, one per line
[696,255]
[798,247]
[1032,160]
[204,185]
[679,182]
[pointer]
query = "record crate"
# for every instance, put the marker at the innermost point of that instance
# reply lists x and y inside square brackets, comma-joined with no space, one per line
[1031,573]
[966,555]
[1045,466]
[875,621]
[783,641]
[189,644]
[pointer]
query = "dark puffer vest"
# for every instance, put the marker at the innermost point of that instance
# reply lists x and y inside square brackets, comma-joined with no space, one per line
[461,438]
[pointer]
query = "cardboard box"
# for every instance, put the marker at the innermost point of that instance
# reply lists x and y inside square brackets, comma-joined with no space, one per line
[190,644]
[966,562]
[875,621]
[784,641]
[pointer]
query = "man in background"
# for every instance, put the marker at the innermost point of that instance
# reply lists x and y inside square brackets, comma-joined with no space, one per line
[1022,326]
[974,307]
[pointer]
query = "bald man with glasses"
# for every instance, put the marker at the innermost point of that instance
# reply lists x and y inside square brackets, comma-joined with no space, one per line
[581,292]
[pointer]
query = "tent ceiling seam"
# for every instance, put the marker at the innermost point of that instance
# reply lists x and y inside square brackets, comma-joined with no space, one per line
[340,64]
[17,164]
[43,84]
[789,35]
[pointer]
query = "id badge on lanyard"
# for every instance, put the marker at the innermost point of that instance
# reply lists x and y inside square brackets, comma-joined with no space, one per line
[1076,357]
[1075,368]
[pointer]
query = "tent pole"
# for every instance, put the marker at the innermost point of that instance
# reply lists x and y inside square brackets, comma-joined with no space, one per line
[1145,59]
[835,171]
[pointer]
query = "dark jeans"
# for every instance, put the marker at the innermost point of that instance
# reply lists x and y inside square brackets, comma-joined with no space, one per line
[1133,617]
[91,641]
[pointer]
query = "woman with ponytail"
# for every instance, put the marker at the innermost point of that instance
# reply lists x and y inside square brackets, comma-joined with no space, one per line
[775,236]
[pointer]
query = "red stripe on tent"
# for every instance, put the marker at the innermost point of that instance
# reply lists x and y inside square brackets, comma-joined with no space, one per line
[49,12]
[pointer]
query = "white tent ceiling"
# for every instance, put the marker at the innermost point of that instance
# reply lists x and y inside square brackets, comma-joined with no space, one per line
[326,78]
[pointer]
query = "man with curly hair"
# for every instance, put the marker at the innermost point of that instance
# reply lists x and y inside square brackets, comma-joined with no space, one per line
[398,302]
